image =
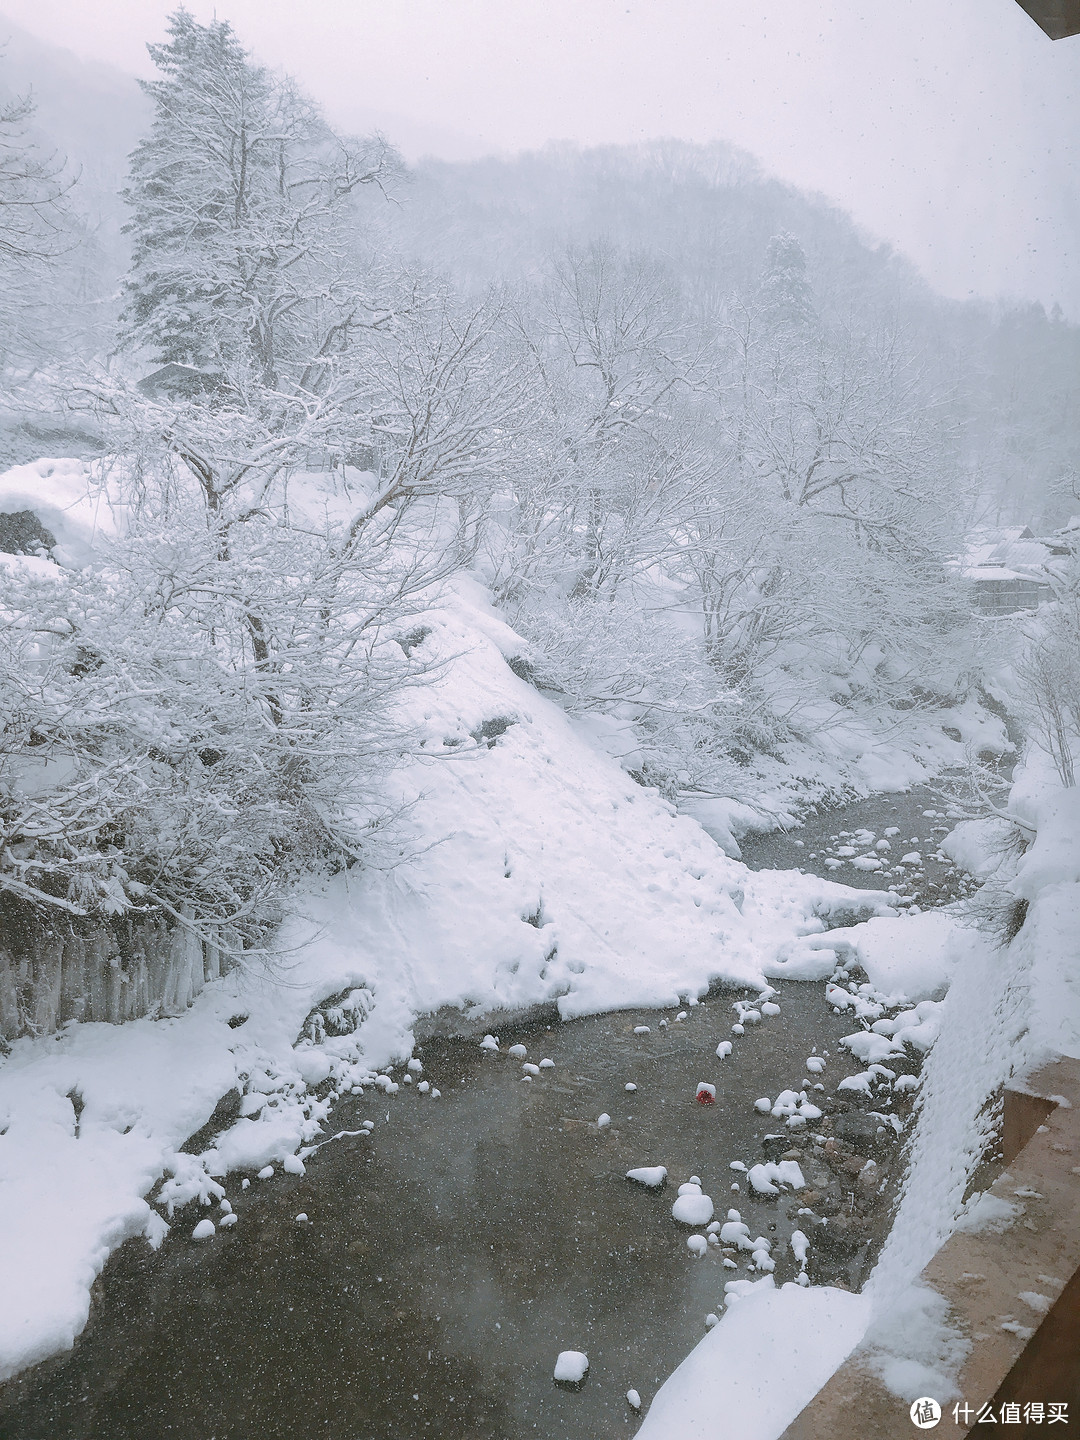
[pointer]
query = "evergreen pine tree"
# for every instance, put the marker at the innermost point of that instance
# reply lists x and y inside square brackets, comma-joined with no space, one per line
[785,293]
[195,181]
[237,195]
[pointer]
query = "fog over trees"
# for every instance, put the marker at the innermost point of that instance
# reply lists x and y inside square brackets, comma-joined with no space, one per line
[712,450]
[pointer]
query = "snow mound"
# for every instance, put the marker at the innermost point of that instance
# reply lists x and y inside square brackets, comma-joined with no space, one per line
[652,1176]
[914,954]
[571,1367]
[754,1371]
[767,1178]
[977,845]
[76,505]
[692,1208]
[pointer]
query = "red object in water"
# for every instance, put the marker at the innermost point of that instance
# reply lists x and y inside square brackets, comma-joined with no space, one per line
[706,1094]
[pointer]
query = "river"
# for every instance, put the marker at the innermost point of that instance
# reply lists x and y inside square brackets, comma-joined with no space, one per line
[448,1257]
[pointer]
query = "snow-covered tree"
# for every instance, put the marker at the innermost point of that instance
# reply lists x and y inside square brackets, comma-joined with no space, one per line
[240,196]
[1048,671]
[37,228]
[183,729]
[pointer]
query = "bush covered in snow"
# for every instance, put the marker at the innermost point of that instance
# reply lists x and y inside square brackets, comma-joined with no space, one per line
[184,724]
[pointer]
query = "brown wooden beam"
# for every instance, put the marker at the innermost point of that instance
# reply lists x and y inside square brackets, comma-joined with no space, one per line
[1059,18]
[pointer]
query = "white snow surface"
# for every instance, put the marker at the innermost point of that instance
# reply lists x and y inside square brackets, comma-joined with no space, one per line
[638,906]
[767,1177]
[1054,857]
[571,1366]
[914,1347]
[910,954]
[77,501]
[652,1176]
[976,845]
[752,1374]
[692,1208]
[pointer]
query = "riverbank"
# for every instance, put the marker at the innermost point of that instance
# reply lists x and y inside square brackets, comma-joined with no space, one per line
[522,1159]
[451,1252]
[536,873]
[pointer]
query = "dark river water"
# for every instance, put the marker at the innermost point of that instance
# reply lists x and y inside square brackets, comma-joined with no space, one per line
[448,1259]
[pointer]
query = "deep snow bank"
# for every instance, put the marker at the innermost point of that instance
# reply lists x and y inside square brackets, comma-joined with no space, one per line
[752,1374]
[548,874]
[1011,1007]
[73,499]
[1048,879]
[535,871]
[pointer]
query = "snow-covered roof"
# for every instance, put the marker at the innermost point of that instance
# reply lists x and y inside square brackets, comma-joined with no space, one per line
[1012,552]
[995,573]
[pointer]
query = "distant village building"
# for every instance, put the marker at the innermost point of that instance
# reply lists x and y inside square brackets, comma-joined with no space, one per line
[1010,568]
[182,382]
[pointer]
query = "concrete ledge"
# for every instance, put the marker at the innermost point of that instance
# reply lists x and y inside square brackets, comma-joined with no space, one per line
[981,1274]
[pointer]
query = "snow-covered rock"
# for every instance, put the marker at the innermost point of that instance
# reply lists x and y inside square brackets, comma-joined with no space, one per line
[652,1176]
[765,1179]
[692,1207]
[571,1367]
[312,1063]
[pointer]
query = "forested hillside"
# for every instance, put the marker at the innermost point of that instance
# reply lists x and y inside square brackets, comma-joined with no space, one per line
[712,452]
[454,599]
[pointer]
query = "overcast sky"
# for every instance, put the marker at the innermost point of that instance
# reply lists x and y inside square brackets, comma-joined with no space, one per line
[949,127]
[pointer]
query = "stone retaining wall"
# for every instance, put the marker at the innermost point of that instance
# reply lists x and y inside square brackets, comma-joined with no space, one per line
[55,968]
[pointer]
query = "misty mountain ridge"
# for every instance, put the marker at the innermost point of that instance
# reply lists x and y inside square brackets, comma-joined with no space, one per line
[708,209]
[704,213]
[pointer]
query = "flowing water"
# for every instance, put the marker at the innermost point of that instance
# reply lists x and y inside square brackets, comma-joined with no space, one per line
[448,1258]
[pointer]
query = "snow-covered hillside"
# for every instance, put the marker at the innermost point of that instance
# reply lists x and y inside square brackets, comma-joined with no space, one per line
[534,871]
